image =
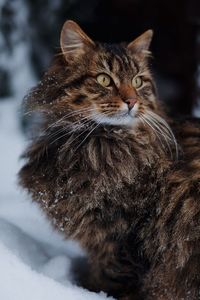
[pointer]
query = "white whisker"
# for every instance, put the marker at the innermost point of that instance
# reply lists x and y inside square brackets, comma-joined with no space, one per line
[161,129]
[166,126]
[67,116]
[71,131]
[76,126]
[86,122]
[87,136]
[154,130]
[160,133]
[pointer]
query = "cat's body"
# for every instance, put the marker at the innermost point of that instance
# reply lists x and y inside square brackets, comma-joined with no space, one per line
[120,191]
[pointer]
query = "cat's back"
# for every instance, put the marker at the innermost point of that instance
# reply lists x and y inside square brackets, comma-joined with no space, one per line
[181,204]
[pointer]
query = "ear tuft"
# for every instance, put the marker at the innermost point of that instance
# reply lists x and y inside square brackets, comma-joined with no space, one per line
[141,44]
[73,40]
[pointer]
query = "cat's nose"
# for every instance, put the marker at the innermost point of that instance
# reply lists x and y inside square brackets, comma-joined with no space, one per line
[130,102]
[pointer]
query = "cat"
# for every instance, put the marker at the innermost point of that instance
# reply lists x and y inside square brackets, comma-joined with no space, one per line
[114,172]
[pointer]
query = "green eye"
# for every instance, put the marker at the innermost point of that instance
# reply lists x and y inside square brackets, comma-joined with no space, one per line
[104,80]
[137,82]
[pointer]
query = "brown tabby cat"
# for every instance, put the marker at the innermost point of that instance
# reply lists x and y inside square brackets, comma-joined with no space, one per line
[108,171]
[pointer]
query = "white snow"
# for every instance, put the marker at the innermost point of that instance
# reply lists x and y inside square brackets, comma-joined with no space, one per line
[35,260]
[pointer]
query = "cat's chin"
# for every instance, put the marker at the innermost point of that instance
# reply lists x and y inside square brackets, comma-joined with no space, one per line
[117,120]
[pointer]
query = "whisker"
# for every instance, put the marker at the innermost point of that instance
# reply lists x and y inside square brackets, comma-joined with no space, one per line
[166,138]
[165,125]
[81,133]
[154,130]
[159,135]
[75,125]
[68,132]
[160,130]
[163,129]
[87,135]
[81,126]
[65,117]
[97,114]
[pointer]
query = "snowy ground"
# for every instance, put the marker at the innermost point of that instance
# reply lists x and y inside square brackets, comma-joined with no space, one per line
[34,260]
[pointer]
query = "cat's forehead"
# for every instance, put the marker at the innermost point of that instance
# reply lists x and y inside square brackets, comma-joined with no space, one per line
[115,59]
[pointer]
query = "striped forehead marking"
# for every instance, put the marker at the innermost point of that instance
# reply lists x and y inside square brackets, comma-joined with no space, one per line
[116,60]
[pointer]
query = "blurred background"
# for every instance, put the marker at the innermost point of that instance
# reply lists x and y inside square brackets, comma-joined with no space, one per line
[30,29]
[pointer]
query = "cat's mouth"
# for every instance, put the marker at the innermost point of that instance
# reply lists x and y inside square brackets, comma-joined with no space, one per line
[128,111]
[125,114]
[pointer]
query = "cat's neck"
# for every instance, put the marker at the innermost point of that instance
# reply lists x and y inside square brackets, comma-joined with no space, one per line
[110,147]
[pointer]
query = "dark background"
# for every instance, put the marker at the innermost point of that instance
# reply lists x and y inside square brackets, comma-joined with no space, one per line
[36,26]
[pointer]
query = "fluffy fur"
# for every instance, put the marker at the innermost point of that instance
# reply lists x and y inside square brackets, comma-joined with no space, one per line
[116,179]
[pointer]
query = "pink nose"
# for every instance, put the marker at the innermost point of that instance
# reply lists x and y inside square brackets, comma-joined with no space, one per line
[130,102]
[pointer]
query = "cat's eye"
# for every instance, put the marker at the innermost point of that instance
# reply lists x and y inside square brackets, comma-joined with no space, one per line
[104,80]
[137,82]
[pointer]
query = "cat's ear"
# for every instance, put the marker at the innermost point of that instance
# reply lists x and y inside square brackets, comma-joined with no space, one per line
[141,44]
[73,41]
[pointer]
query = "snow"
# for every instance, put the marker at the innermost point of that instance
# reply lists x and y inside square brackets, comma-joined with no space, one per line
[20,282]
[35,260]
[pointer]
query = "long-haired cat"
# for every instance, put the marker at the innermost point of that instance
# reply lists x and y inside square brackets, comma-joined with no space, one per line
[114,173]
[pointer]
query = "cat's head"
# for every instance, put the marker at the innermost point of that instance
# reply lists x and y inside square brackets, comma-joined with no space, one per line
[91,84]
[110,84]
[112,81]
